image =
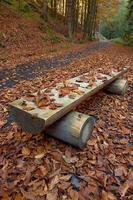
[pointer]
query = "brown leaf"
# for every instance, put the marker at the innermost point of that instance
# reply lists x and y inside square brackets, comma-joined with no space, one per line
[5,196]
[108,196]
[65,177]
[53,106]
[80,92]
[40,156]
[63,186]
[125,130]
[53,182]
[28,108]
[74,194]
[123,189]
[28,195]
[111,196]
[120,171]
[19,196]
[43,170]
[58,104]
[52,196]
[70,159]
[28,175]
[26,151]
[56,155]
[2,123]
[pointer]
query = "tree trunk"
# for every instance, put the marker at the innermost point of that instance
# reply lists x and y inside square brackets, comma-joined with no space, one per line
[45,10]
[71,18]
[55,8]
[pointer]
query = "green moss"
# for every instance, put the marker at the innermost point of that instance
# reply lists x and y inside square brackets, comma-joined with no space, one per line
[50,35]
[50,50]
[22,7]
[65,46]
[2,38]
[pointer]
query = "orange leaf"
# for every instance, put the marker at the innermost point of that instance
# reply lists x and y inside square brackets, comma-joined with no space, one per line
[26,151]
[28,108]
[18,196]
[123,189]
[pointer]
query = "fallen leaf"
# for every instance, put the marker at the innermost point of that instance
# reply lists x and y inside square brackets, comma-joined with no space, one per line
[28,108]
[40,156]
[52,196]
[43,170]
[123,189]
[70,159]
[53,182]
[5,195]
[19,196]
[125,130]
[111,196]
[74,194]
[108,196]
[2,123]
[65,177]
[26,151]
[63,186]
[120,171]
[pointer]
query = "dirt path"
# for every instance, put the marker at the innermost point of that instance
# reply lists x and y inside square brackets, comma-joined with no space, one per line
[27,71]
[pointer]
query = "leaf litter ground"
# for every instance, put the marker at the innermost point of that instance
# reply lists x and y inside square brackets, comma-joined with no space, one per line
[39,167]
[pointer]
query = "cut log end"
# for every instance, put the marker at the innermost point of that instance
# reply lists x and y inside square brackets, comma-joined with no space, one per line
[118,87]
[74,128]
[86,132]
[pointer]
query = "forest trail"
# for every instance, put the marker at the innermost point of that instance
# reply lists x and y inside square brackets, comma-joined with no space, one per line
[30,70]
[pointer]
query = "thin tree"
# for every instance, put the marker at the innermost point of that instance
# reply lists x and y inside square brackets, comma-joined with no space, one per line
[45,9]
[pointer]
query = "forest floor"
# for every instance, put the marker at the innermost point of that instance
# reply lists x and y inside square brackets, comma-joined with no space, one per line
[33,167]
[30,70]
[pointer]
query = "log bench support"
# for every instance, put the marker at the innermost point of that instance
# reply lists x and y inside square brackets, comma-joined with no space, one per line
[118,87]
[74,128]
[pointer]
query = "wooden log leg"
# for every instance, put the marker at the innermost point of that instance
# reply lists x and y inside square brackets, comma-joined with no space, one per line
[75,128]
[118,87]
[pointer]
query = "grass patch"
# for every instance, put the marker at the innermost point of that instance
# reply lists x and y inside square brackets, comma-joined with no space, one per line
[65,46]
[2,38]
[50,35]
[81,41]
[122,42]
[50,50]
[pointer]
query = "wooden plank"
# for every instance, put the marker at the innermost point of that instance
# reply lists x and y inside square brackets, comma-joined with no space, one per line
[36,120]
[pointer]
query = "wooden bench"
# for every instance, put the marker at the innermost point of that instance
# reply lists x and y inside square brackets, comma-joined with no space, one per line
[35,117]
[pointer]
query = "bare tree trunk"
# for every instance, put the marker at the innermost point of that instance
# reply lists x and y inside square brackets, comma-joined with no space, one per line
[66,12]
[45,10]
[82,14]
[55,8]
[71,18]
[87,17]
[76,15]
[92,18]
